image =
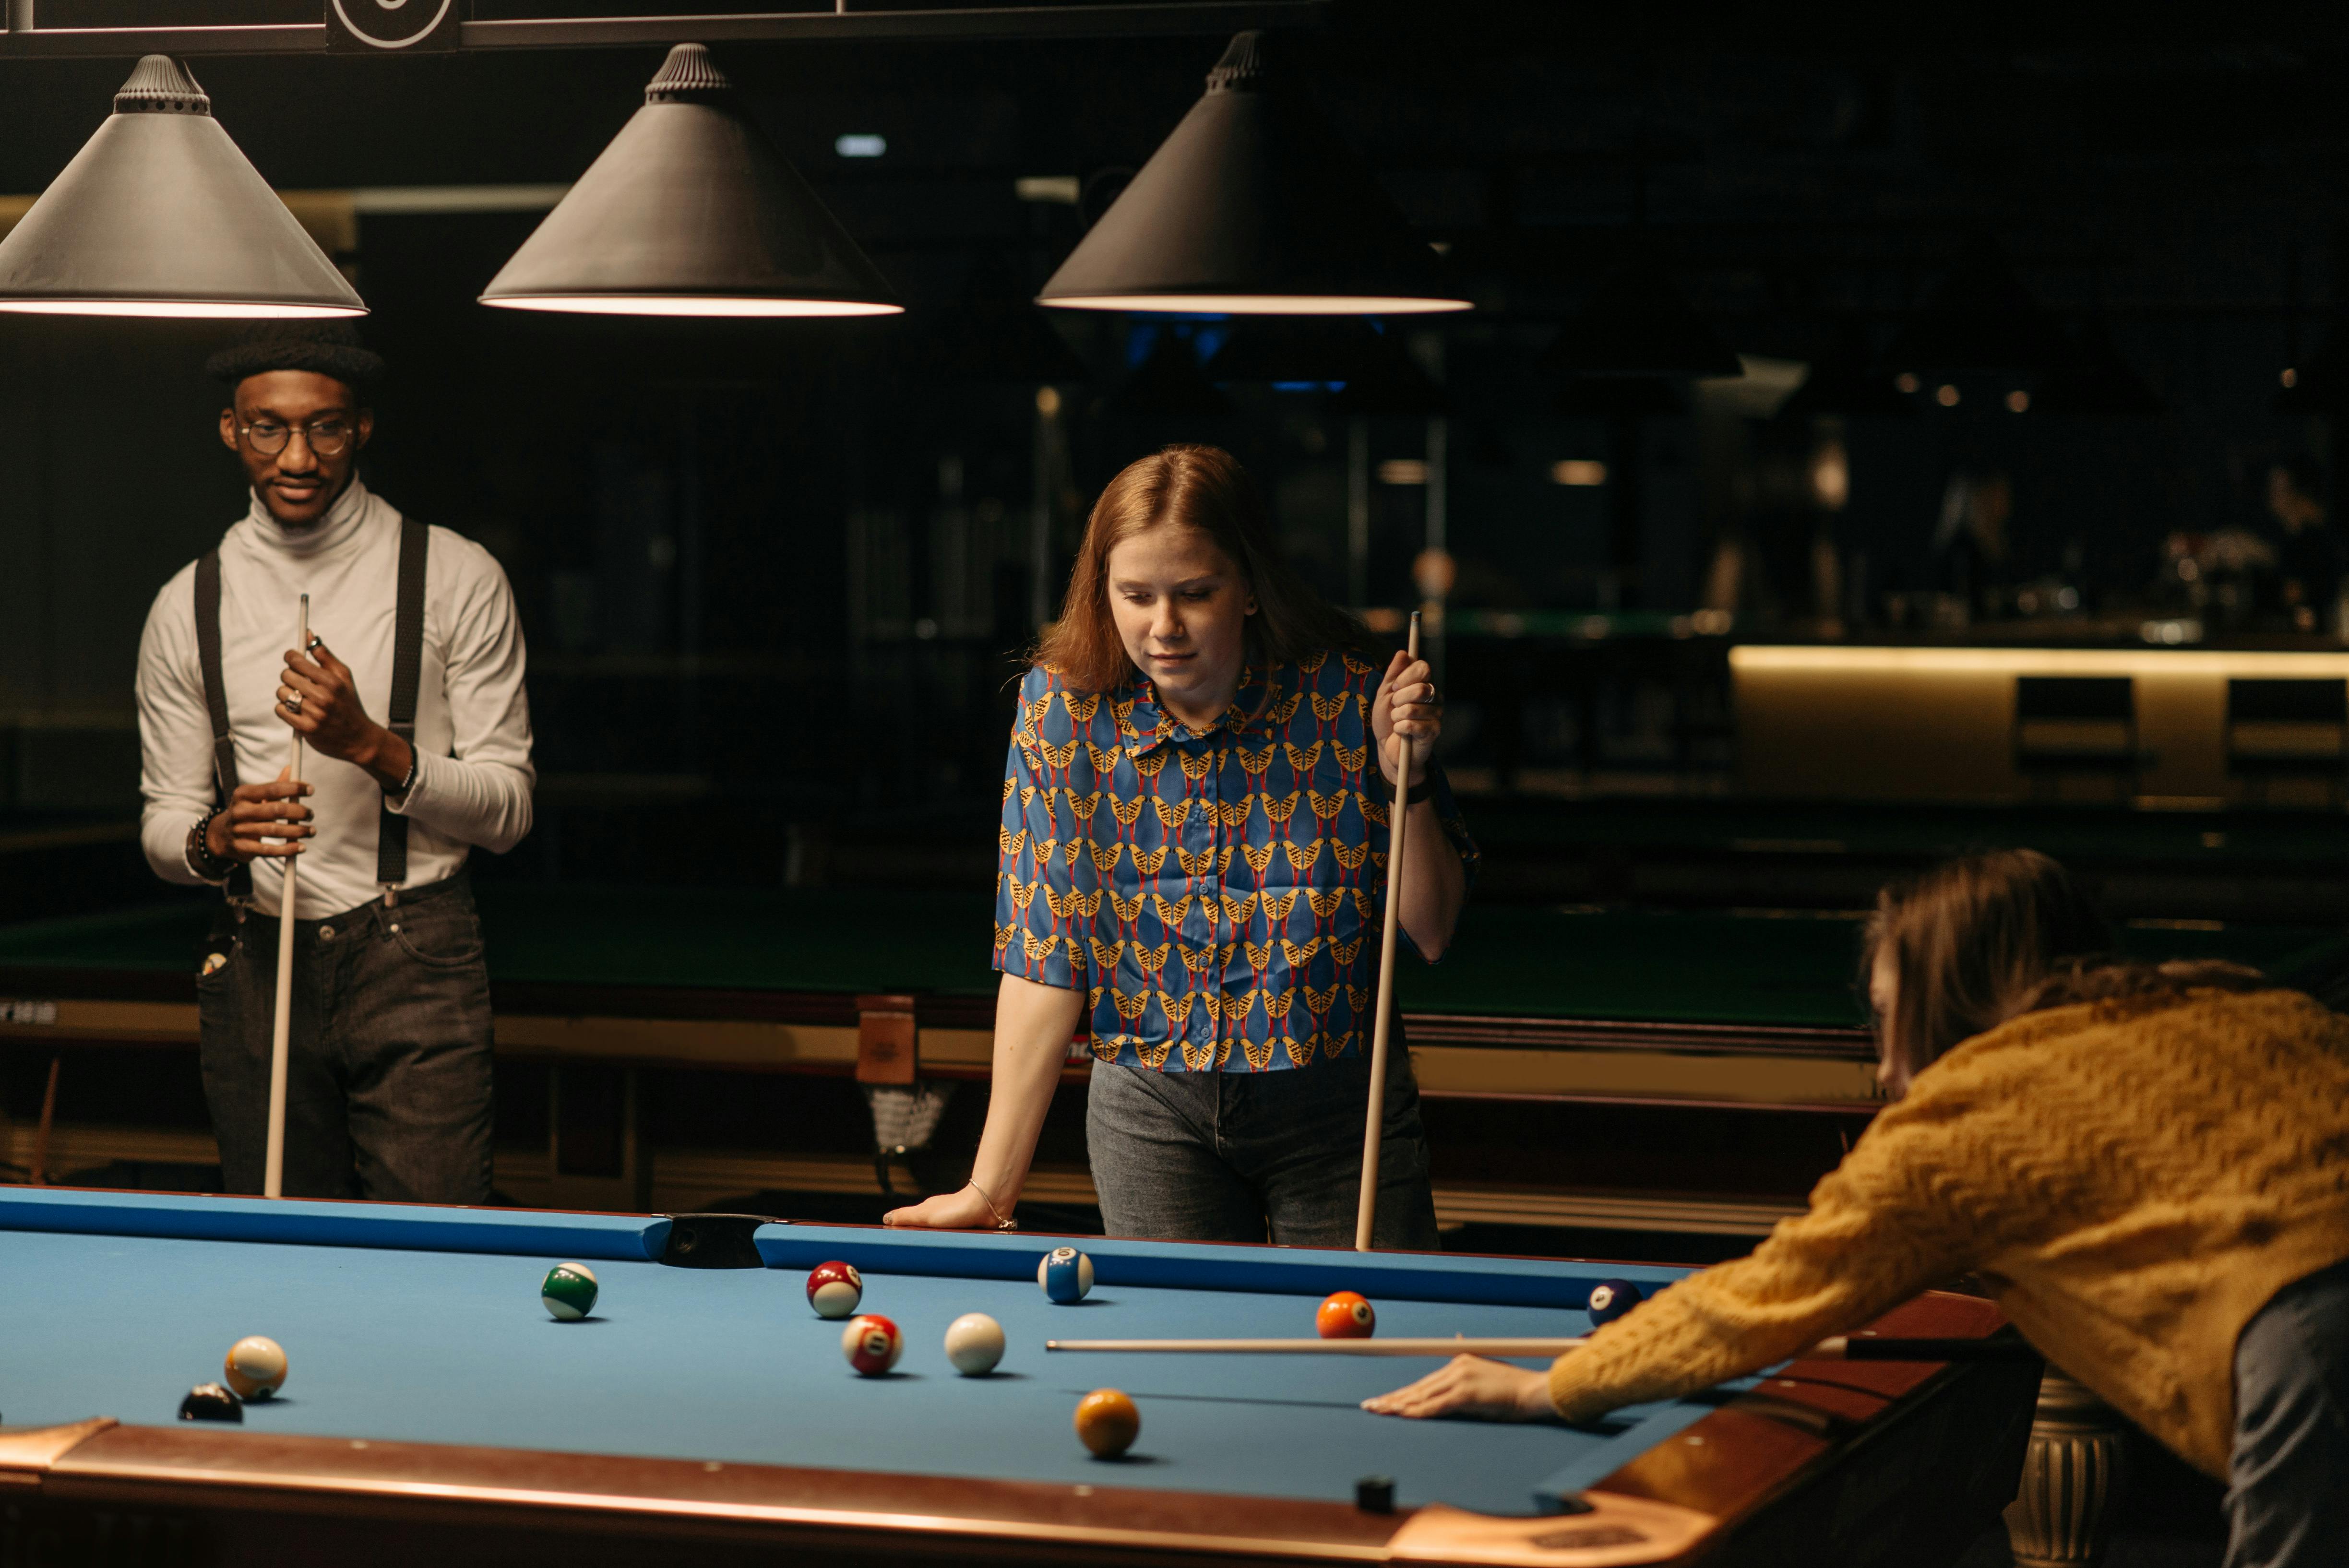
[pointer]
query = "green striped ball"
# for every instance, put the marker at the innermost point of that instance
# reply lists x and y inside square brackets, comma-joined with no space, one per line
[569,1291]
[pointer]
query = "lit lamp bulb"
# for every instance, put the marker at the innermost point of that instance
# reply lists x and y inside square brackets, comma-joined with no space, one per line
[1831,475]
[1433,572]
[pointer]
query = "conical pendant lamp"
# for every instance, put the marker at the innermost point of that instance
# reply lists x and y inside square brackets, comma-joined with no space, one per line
[1253,207]
[690,211]
[160,214]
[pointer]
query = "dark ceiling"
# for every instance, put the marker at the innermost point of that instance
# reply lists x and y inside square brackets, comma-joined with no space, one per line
[1799,163]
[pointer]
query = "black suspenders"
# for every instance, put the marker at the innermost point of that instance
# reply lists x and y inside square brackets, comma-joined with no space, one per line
[406,676]
[208,654]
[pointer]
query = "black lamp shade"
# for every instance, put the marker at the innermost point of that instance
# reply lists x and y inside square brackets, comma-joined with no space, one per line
[1847,382]
[1253,207]
[2097,379]
[160,216]
[1981,318]
[1636,324]
[690,211]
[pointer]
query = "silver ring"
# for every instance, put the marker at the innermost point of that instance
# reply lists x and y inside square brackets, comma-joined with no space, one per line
[293,701]
[314,644]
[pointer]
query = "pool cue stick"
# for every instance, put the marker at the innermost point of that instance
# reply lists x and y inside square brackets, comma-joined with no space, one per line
[281,1029]
[1366,1214]
[1398,1347]
[1843,1347]
[38,1176]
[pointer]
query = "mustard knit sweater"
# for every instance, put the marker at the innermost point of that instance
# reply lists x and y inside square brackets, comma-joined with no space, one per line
[2134,1179]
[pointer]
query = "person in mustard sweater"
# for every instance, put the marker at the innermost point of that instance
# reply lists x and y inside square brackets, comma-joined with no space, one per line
[2148,1166]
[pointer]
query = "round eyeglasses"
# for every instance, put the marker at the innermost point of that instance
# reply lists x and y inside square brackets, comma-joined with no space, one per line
[328,438]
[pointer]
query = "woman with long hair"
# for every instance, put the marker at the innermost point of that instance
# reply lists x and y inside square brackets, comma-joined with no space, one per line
[2147,1165]
[1191,873]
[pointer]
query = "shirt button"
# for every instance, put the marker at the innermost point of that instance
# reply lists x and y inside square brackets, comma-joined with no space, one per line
[326,933]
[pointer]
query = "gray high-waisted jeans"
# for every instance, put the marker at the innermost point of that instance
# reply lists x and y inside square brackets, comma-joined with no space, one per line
[2287,1480]
[1254,1157]
[388,1075]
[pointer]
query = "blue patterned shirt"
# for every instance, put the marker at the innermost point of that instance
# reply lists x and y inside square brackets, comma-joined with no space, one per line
[1218,896]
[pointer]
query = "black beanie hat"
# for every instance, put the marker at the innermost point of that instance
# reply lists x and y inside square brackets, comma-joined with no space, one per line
[327,347]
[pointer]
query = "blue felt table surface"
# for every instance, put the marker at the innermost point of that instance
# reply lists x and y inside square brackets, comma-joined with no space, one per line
[452,1347]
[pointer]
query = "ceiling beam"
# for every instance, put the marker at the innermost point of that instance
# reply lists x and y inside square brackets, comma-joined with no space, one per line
[1116,20]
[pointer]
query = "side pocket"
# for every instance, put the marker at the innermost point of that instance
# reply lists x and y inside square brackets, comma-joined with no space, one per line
[443,941]
[216,957]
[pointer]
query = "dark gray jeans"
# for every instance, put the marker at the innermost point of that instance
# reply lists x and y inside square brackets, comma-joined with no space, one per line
[1252,1157]
[388,1078]
[2288,1491]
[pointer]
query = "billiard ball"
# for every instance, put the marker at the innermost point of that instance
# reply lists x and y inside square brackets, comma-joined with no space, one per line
[872,1345]
[1107,1423]
[211,1402]
[1611,1298]
[569,1291]
[835,1289]
[1345,1315]
[1066,1275]
[974,1344]
[255,1368]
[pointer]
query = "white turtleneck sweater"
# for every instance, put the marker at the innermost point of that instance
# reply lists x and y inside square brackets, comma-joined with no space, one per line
[473,773]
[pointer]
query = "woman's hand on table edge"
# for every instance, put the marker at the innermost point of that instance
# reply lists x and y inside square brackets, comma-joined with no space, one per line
[1475,1387]
[963,1210]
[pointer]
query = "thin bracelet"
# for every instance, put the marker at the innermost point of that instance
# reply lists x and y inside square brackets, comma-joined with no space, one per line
[992,1212]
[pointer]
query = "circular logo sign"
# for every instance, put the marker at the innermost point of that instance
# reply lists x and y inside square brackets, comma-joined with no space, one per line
[392,23]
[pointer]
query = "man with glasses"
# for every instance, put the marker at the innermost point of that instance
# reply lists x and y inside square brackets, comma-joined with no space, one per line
[415,733]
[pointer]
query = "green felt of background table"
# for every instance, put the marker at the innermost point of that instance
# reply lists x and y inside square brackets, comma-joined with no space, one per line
[1753,967]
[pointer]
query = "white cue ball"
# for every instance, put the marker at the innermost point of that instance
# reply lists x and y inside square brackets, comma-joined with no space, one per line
[974,1344]
[255,1368]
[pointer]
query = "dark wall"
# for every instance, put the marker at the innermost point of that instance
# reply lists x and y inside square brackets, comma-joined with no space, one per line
[723,536]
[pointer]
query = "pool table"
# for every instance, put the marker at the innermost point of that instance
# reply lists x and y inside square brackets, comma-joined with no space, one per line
[434,1411]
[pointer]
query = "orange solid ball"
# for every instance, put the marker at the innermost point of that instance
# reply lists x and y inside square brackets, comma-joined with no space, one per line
[1345,1315]
[1107,1422]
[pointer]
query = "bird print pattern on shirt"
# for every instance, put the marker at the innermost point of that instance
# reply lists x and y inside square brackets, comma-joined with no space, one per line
[1219,913]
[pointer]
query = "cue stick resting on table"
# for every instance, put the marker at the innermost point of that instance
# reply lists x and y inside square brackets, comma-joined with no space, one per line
[1842,1347]
[1366,1215]
[281,1029]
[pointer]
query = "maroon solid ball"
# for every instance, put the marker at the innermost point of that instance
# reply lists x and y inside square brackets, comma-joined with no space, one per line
[872,1345]
[835,1289]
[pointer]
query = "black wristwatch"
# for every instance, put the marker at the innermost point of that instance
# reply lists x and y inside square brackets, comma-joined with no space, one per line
[208,866]
[1423,790]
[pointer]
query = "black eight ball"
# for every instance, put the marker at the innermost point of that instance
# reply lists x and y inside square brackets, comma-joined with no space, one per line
[211,1402]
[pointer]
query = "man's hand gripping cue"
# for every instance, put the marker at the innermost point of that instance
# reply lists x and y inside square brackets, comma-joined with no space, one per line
[319,699]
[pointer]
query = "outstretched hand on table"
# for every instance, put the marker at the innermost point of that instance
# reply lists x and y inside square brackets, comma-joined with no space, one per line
[1475,1387]
[959,1210]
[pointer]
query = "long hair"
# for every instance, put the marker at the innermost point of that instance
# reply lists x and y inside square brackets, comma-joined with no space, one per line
[1203,488]
[1974,942]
